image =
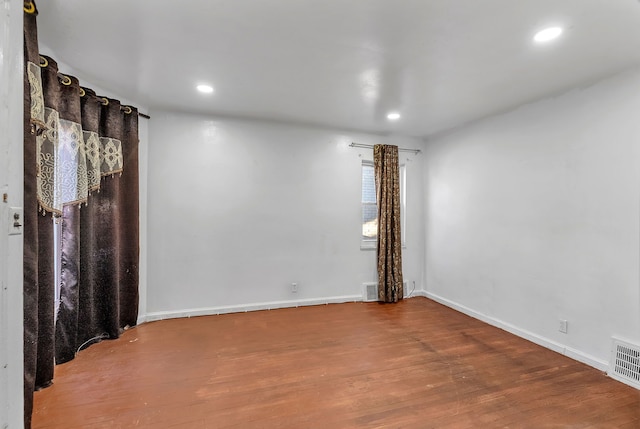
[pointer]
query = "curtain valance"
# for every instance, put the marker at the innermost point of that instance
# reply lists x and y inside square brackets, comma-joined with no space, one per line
[71,160]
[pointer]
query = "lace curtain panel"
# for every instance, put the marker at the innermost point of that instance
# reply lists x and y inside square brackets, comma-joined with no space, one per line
[71,161]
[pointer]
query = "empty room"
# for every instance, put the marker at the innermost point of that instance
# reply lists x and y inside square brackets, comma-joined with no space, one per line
[320,214]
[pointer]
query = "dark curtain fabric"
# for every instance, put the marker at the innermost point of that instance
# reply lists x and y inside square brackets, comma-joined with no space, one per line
[81,170]
[387,177]
[71,327]
[38,288]
[129,217]
[100,240]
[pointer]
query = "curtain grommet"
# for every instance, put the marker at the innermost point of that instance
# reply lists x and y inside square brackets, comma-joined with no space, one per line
[65,80]
[105,101]
[82,93]
[43,62]
[127,110]
[29,7]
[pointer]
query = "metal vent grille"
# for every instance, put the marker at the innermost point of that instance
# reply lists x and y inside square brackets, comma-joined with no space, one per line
[625,362]
[370,291]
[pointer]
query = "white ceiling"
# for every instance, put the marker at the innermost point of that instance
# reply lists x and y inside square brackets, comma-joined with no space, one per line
[342,63]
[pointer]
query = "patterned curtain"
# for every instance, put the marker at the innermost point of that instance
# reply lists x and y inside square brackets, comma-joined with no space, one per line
[81,170]
[387,176]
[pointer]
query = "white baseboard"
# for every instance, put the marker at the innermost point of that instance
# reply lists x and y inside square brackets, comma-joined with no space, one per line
[534,338]
[419,293]
[243,308]
[209,311]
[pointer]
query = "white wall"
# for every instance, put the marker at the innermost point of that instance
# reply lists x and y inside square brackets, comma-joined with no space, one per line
[11,178]
[238,210]
[533,216]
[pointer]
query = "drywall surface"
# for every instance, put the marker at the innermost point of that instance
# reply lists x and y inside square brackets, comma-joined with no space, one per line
[238,210]
[532,217]
[11,179]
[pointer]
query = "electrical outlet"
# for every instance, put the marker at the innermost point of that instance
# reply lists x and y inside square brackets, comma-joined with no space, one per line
[294,287]
[564,326]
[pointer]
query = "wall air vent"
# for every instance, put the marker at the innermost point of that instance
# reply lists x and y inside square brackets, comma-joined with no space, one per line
[625,363]
[370,291]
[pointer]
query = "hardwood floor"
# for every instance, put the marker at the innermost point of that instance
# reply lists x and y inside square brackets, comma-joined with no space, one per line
[416,364]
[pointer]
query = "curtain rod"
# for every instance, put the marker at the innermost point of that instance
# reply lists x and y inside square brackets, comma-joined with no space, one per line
[127,110]
[370,146]
[66,80]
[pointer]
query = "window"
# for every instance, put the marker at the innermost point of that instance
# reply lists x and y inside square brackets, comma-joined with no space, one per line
[370,209]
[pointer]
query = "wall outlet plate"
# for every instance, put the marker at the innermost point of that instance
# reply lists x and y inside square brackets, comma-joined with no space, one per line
[564,326]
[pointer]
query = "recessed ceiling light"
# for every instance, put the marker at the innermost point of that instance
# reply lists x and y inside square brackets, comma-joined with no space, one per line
[205,89]
[547,34]
[393,116]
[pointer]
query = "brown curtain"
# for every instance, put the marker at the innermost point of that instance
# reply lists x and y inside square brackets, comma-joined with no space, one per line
[81,169]
[100,250]
[387,175]
[38,288]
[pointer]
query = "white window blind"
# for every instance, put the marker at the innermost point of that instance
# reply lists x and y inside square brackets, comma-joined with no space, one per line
[370,209]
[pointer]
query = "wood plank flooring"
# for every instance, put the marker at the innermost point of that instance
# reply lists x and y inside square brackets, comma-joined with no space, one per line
[416,364]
